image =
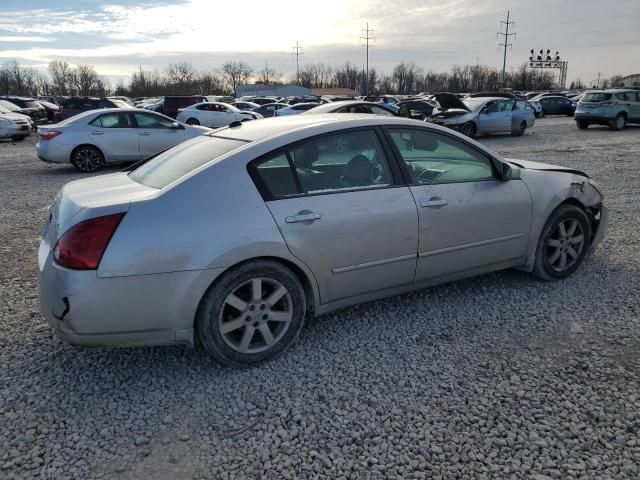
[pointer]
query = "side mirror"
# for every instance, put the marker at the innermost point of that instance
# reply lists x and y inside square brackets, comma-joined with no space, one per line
[509,173]
[176,125]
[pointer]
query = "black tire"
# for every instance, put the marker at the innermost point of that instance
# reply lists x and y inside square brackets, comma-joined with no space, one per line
[582,125]
[538,114]
[18,139]
[619,122]
[214,313]
[87,158]
[519,131]
[193,121]
[544,264]
[543,113]
[468,129]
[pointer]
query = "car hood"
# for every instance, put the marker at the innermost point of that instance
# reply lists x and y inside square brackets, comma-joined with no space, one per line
[529,165]
[15,116]
[449,100]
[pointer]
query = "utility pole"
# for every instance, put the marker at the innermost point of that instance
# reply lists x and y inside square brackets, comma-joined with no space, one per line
[598,84]
[297,51]
[506,37]
[367,36]
[266,72]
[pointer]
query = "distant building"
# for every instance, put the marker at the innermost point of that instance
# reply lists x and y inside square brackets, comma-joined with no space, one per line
[268,90]
[631,80]
[334,92]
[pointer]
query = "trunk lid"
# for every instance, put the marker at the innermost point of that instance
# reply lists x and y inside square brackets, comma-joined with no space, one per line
[92,197]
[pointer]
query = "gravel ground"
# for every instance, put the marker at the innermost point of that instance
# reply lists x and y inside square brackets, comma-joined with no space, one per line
[500,376]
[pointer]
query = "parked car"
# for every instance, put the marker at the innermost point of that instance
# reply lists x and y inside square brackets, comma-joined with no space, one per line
[123,99]
[240,235]
[536,107]
[75,105]
[91,139]
[296,109]
[556,105]
[354,106]
[386,99]
[614,107]
[493,95]
[52,110]
[270,109]
[220,98]
[13,108]
[245,106]
[418,109]
[15,126]
[55,99]
[472,116]
[214,115]
[260,100]
[28,106]
[171,104]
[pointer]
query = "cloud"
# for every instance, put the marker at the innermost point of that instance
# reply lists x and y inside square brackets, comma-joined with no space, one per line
[25,39]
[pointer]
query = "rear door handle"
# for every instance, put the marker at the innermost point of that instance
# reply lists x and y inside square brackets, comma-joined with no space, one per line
[307,217]
[433,202]
[143,133]
[97,133]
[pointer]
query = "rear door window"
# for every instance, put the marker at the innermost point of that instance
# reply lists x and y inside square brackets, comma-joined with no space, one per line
[596,97]
[112,120]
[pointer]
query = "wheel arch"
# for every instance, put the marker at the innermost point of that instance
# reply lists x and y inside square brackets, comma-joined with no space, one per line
[86,144]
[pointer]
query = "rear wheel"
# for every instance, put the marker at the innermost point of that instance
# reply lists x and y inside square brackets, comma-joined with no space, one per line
[87,159]
[518,132]
[193,121]
[582,125]
[619,122]
[18,139]
[252,314]
[468,129]
[563,244]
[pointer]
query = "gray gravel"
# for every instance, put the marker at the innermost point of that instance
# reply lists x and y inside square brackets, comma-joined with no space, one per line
[500,376]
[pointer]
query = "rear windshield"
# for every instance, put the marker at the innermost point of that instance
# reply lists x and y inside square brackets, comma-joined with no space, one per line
[596,97]
[31,104]
[182,159]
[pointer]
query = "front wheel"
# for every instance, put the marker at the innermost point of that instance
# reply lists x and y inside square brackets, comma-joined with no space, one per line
[87,159]
[563,243]
[582,125]
[468,129]
[252,314]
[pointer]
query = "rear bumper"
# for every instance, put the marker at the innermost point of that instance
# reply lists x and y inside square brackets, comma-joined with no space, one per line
[585,117]
[15,131]
[143,310]
[51,151]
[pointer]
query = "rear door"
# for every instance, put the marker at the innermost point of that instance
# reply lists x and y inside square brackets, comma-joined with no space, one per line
[468,218]
[156,133]
[632,99]
[114,133]
[344,213]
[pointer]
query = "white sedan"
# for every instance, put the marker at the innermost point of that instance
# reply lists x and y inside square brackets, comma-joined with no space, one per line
[91,139]
[14,125]
[297,108]
[214,114]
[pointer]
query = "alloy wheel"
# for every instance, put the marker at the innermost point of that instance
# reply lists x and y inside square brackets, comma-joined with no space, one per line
[255,315]
[565,245]
[88,160]
[620,122]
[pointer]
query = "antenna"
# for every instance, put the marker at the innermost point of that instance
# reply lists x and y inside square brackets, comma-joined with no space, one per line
[506,37]
[297,51]
[367,37]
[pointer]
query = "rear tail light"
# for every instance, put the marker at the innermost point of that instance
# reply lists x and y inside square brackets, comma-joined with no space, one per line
[48,135]
[82,246]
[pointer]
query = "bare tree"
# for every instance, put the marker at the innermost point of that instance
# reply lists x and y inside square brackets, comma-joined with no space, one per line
[235,73]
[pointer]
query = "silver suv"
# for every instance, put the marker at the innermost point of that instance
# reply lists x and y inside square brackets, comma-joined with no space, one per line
[614,107]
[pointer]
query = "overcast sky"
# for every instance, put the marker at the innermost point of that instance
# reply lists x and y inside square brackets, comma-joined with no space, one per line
[118,36]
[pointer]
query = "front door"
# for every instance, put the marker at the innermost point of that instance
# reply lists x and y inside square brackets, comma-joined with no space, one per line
[342,212]
[495,118]
[468,218]
[156,133]
[114,135]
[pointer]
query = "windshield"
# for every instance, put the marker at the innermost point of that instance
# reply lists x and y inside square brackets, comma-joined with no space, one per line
[12,107]
[474,104]
[4,110]
[31,104]
[182,159]
[596,97]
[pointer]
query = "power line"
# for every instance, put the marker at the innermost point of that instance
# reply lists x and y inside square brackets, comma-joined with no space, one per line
[367,36]
[297,51]
[506,37]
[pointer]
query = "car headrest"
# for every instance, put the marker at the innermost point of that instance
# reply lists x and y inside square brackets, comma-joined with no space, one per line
[358,171]
[307,156]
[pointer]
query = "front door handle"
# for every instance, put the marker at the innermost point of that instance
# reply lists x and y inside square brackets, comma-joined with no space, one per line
[143,133]
[433,202]
[306,217]
[97,133]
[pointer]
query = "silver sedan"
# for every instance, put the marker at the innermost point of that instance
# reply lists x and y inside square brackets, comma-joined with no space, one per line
[93,138]
[235,237]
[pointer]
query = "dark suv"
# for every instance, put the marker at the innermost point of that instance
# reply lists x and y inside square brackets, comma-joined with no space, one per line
[173,103]
[30,107]
[75,105]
